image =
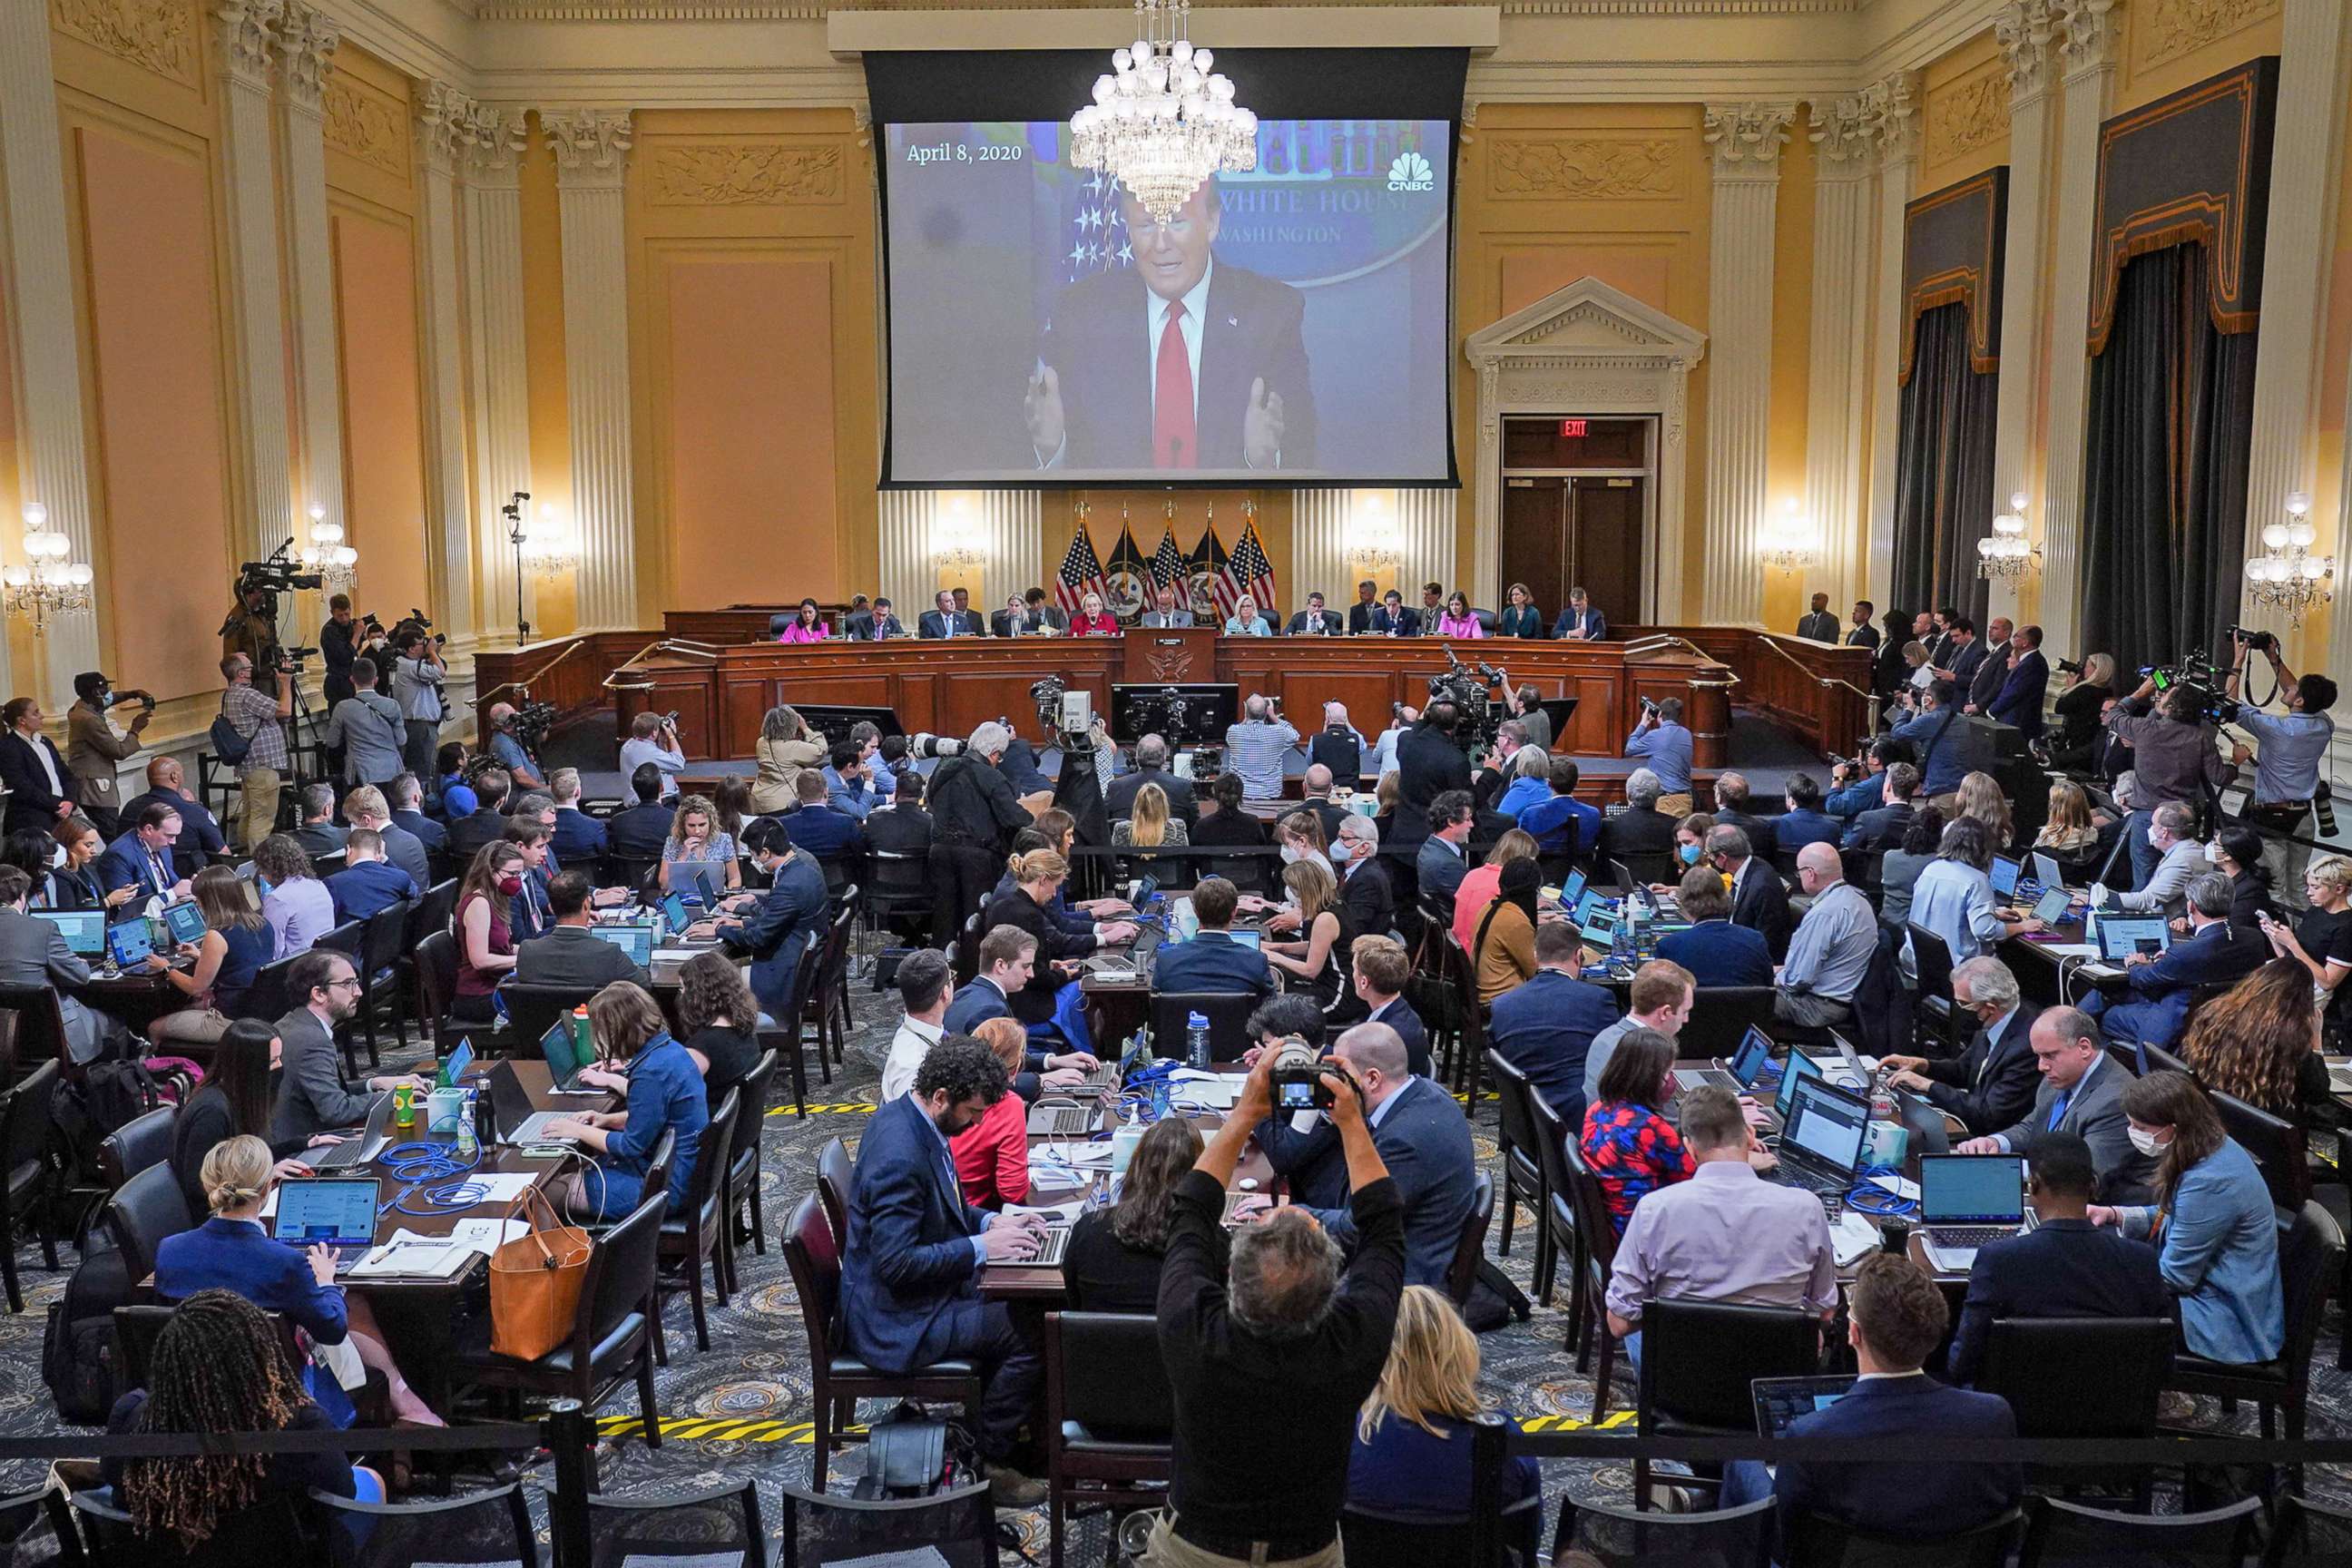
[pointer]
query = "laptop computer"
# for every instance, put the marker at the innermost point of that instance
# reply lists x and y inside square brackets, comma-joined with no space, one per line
[1061,1119]
[84,929]
[185,921]
[129,942]
[367,1145]
[636,941]
[1599,929]
[338,1211]
[1051,1246]
[1248,936]
[1147,889]
[1800,1067]
[2005,872]
[1822,1142]
[513,1113]
[1780,1400]
[1571,890]
[701,882]
[1968,1201]
[2045,870]
[1588,903]
[673,908]
[2121,936]
[1746,1065]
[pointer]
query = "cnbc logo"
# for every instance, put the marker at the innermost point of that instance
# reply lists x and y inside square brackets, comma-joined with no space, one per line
[1411,172]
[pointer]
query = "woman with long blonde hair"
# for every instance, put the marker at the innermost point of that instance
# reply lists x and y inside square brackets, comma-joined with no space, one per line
[1412,1451]
[1980,800]
[1322,958]
[1153,825]
[2070,830]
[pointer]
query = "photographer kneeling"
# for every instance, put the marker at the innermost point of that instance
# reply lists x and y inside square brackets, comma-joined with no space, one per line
[2287,783]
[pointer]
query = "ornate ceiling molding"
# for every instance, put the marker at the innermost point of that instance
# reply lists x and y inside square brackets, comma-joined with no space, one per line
[2093,32]
[1967,114]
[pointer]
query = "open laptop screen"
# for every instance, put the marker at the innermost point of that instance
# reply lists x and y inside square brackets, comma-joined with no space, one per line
[1971,1189]
[2004,875]
[1799,1068]
[2120,936]
[326,1209]
[1829,1124]
[84,929]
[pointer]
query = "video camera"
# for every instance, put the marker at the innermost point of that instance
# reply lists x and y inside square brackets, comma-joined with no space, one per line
[2194,674]
[1301,1079]
[1471,689]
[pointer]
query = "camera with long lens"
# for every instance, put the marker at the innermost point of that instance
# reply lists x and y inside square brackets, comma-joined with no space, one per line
[2261,642]
[531,721]
[925,745]
[1301,1079]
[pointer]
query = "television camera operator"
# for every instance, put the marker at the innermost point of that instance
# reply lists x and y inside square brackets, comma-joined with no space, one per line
[2170,723]
[344,638]
[2294,745]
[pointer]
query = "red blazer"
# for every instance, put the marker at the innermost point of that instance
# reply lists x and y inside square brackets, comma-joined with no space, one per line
[1103,625]
[992,1155]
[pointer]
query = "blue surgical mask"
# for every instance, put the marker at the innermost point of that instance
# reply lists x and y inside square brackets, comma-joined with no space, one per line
[1687,853]
[1340,850]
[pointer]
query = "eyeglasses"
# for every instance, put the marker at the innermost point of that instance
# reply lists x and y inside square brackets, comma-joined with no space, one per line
[1145,232]
[351,979]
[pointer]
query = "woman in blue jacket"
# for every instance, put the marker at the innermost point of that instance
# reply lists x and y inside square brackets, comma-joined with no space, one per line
[1411,1449]
[665,1093]
[2213,1226]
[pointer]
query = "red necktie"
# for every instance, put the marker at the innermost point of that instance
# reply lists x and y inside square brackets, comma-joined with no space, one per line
[1173,445]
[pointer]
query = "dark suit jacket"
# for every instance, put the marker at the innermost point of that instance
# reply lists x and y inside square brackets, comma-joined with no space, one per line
[1367,900]
[823,831]
[1881,828]
[1763,836]
[469,833]
[1428,764]
[1634,831]
[1098,346]
[1328,625]
[1822,628]
[1991,1084]
[791,914]
[125,865]
[1399,1016]
[232,1254]
[968,625]
[900,830]
[639,832]
[2061,1268]
[1545,1029]
[2161,991]
[2019,701]
[1792,830]
[578,836]
[368,888]
[1761,904]
[1406,623]
[1211,961]
[1594,624]
[1862,636]
[1119,799]
[200,835]
[310,1093]
[31,802]
[974,1003]
[1927,1500]
[570,955]
[1964,663]
[1991,673]
[1425,1140]
[429,833]
[2095,1114]
[1717,953]
[909,1278]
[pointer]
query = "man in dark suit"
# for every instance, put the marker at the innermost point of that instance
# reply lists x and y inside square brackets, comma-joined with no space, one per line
[1882,828]
[1393,619]
[1640,829]
[41,787]
[200,832]
[1315,796]
[1007,956]
[141,859]
[1963,651]
[2082,1092]
[1992,669]
[818,827]
[579,837]
[312,1097]
[1216,379]
[2065,1267]
[1366,894]
[1895,1319]
[368,884]
[407,801]
[1731,808]
[319,835]
[1991,1084]
[1430,762]
[1760,900]
[1314,621]
[2026,683]
[1367,605]
[570,953]
[1152,768]
[774,926]
[2213,951]
[1863,634]
[900,825]
[1818,622]
[912,1263]
[1378,970]
[1212,960]
[1443,860]
[1545,1027]
[639,832]
[1804,821]
[944,620]
[488,821]
[1581,620]
[364,807]
[881,623]
[1423,1138]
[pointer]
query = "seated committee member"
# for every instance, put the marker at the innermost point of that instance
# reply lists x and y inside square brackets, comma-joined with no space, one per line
[992,1155]
[1412,1452]
[1627,1143]
[911,1261]
[1210,959]
[1092,620]
[570,953]
[1393,618]
[1459,620]
[945,620]
[1545,1027]
[1030,614]
[1715,951]
[368,884]
[1723,1236]
[2064,1266]
[2215,1232]
[665,1095]
[1112,1262]
[1520,619]
[1895,1318]
[1164,612]
[807,624]
[1989,1085]
[1581,620]
[1314,621]
[312,1097]
[2213,952]
[2082,1092]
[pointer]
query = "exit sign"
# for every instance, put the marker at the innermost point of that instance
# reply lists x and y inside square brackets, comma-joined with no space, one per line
[1571,429]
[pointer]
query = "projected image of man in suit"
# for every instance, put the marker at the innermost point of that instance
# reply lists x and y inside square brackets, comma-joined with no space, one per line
[1178,361]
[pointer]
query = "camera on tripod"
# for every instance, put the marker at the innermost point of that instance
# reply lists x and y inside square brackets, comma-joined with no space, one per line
[531,721]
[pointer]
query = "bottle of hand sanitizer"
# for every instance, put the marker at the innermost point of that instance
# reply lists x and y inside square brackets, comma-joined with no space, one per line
[1123,1143]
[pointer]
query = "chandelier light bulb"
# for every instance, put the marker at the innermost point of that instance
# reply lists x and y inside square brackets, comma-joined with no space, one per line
[317,514]
[2298,504]
[37,516]
[2301,534]
[2273,536]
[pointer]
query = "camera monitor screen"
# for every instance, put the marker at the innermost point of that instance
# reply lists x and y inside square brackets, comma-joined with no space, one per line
[1199,711]
[1036,308]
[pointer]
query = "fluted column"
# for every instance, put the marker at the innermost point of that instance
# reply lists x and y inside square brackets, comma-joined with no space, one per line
[265,509]
[1838,380]
[591,149]
[1320,522]
[492,204]
[2027,30]
[2087,55]
[36,268]
[444,130]
[2305,163]
[1888,107]
[1747,140]
[306,45]
[1006,527]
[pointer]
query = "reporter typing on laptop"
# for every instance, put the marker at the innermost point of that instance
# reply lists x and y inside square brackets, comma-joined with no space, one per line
[665,1093]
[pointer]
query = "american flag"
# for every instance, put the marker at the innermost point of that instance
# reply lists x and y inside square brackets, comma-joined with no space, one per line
[1168,563]
[1097,239]
[1251,571]
[1081,573]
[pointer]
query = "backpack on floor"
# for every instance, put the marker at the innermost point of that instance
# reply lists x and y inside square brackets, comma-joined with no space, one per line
[77,1344]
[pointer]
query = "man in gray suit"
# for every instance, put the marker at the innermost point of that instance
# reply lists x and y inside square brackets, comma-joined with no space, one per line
[312,1097]
[2082,1092]
[33,951]
[369,728]
[570,953]
[366,807]
[1165,611]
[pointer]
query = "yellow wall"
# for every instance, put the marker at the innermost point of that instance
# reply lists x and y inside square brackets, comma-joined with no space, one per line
[551,416]
[1963,114]
[1787,594]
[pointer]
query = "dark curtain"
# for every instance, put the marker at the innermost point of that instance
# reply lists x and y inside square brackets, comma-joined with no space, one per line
[1943,469]
[2164,502]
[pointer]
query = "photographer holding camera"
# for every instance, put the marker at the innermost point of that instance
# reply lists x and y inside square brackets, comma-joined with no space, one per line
[2294,745]
[93,747]
[257,727]
[416,675]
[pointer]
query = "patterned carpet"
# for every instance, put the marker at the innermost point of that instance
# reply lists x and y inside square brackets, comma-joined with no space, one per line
[744,1406]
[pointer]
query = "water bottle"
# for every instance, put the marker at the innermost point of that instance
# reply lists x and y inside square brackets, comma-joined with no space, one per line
[1196,1041]
[478,1117]
[1123,1143]
[468,1142]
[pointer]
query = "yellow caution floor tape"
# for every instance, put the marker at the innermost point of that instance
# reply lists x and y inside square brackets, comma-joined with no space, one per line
[728,1429]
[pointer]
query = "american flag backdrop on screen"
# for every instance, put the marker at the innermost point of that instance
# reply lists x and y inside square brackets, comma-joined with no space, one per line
[1097,239]
[1252,572]
[1081,573]
[1168,563]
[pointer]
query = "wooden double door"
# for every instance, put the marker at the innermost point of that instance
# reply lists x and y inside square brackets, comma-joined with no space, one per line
[1564,530]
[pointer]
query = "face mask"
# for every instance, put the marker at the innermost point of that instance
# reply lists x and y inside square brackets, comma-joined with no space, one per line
[1688,853]
[2212,854]
[510,885]
[1340,850]
[1289,854]
[2145,1141]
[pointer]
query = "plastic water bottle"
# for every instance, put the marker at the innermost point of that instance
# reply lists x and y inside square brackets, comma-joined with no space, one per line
[1196,1040]
[469,1144]
[1123,1143]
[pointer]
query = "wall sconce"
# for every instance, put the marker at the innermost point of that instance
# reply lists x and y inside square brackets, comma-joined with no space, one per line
[2006,554]
[548,547]
[1789,540]
[1372,542]
[2286,574]
[48,584]
[958,541]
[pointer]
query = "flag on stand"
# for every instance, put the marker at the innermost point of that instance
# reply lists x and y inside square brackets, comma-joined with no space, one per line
[1252,571]
[1081,573]
[1212,586]
[1168,567]
[1128,574]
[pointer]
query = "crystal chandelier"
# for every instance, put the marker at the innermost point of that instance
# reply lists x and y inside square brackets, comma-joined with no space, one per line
[1374,547]
[327,554]
[49,583]
[958,548]
[1163,122]
[2286,574]
[2005,554]
[546,548]
[1788,543]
